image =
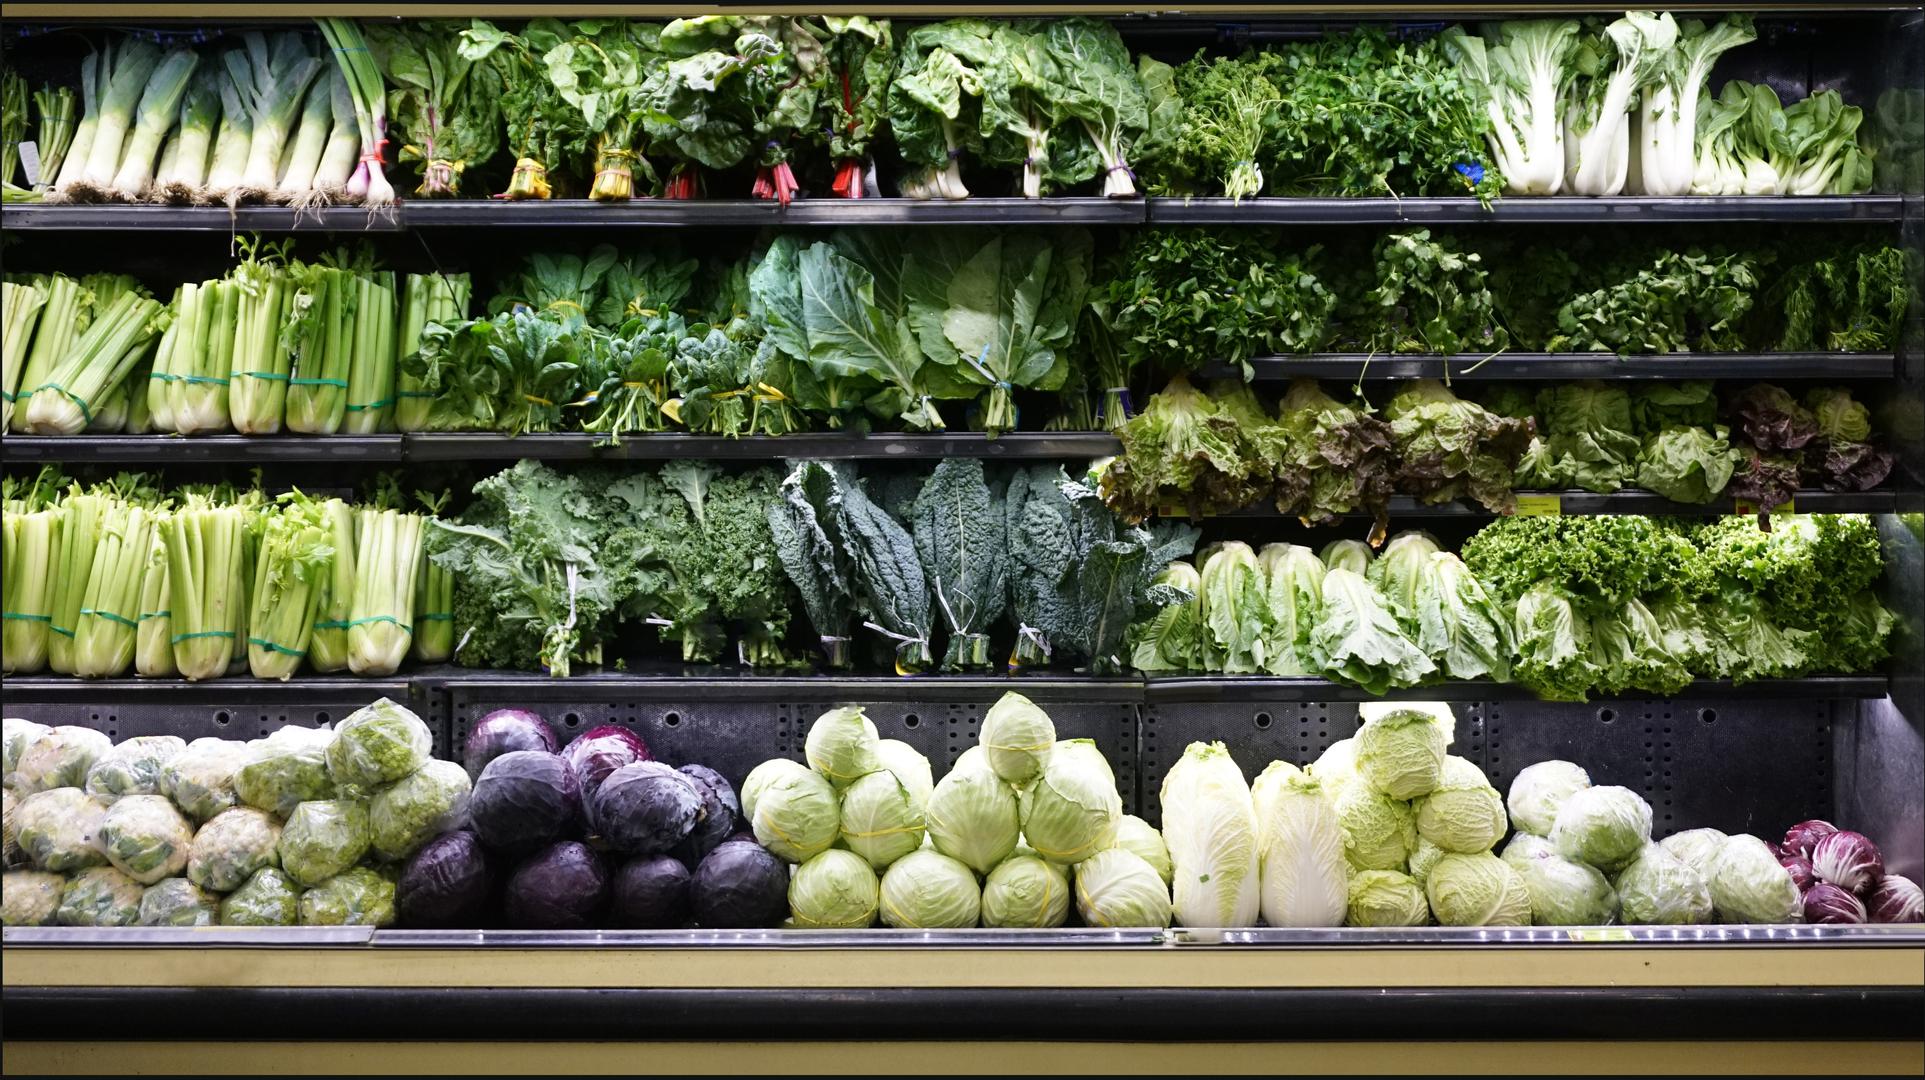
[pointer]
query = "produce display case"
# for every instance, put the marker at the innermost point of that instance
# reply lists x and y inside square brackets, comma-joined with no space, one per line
[1741,758]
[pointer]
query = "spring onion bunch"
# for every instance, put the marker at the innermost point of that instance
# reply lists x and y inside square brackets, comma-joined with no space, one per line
[29,565]
[208,570]
[381,618]
[20,304]
[425,298]
[262,359]
[291,574]
[370,108]
[328,646]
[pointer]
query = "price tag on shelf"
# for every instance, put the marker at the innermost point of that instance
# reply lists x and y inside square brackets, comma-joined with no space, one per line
[1742,508]
[1540,506]
[1601,933]
[30,161]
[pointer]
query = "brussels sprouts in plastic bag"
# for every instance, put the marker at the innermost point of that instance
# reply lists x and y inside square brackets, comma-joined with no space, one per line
[525,801]
[505,731]
[178,902]
[835,890]
[1135,835]
[1025,891]
[720,810]
[973,817]
[285,769]
[650,892]
[15,735]
[880,819]
[1463,813]
[415,809]
[377,745]
[30,897]
[741,885]
[200,779]
[1749,886]
[230,848]
[1400,750]
[1116,888]
[797,816]
[1477,890]
[323,838]
[1539,792]
[102,896]
[1386,898]
[762,777]
[269,898]
[9,838]
[561,887]
[59,830]
[146,838]
[1697,848]
[449,884]
[1604,827]
[927,890]
[1661,889]
[646,808]
[1018,737]
[1072,810]
[1565,893]
[59,758]
[133,767]
[599,751]
[356,897]
[1379,832]
[841,745]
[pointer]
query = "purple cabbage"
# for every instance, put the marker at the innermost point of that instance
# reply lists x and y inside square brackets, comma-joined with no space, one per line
[650,892]
[740,885]
[1827,903]
[505,731]
[525,800]
[447,885]
[646,808]
[601,750]
[561,887]
[720,810]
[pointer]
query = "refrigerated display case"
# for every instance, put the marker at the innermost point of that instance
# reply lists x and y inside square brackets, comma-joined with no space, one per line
[1751,757]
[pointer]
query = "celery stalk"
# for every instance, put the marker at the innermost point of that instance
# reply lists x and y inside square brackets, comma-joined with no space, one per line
[206,558]
[109,415]
[204,362]
[293,568]
[328,649]
[371,368]
[153,651]
[21,310]
[160,404]
[381,621]
[61,320]
[322,321]
[434,605]
[257,395]
[56,132]
[428,298]
[100,361]
[13,124]
[31,557]
[109,621]
[155,116]
[81,513]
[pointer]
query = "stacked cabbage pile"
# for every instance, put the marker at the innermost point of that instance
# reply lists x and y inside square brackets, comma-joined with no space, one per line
[599,833]
[306,826]
[996,843]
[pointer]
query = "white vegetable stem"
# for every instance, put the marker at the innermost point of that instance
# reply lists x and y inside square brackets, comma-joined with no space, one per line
[123,77]
[159,106]
[231,143]
[1598,137]
[370,106]
[78,151]
[1668,109]
[338,158]
[1519,74]
[310,140]
[272,80]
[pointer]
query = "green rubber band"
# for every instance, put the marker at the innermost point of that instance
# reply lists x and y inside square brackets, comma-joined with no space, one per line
[111,617]
[163,376]
[178,638]
[331,624]
[276,376]
[145,615]
[272,647]
[24,617]
[61,630]
[210,380]
[414,393]
[436,616]
[342,383]
[371,405]
[9,395]
[405,628]
[70,396]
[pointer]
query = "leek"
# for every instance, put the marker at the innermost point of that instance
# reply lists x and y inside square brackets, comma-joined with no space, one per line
[200,112]
[123,79]
[206,584]
[290,574]
[371,363]
[158,109]
[99,362]
[153,649]
[343,150]
[272,79]
[328,649]
[13,123]
[73,563]
[370,107]
[257,394]
[75,161]
[30,554]
[310,140]
[426,298]
[381,619]
[231,142]
[20,307]
[56,105]
[109,617]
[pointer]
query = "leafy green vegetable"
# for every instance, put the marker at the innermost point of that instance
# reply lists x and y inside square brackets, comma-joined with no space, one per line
[1452,448]
[962,540]
[861,63]
[935,103]
[807,537]
[543,130]
[447,106]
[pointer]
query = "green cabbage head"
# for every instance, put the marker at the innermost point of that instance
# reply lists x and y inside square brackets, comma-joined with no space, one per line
[1116,888]
[1463,813]
[1565,893]
[881,819]
[1539,792]
[1025,891]
[1072,810]
[1379,832]
[1018,737]
[1400,749]
[1386,898]
[973,817]
[836,890]
[927,890]
[1136,835]
[1603,826]
[1660,889]
[1477,890]
[841,745]
[1697,847]
[796,815]
[1749,885]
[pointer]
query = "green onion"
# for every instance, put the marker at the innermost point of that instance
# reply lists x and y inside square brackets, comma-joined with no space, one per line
[21,310]
[232,140]
[371,371]
[200,110]
[370,107]
[426,298]
[207,584]
[56,107]
[159,106]
[153,644]
[30,554]
[291,572]
[123,80]
[109,622]
[381,620]
[328,650]
[321,323]
[272,79]
[99,362]
[257,395]
[296,184]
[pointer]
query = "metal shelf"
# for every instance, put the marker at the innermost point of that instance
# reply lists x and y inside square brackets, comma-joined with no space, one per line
[669,213]
[83,216]
[1514,366]
[67,690]
[1260,688]
[176,450]
[1563,210]
[677,682]
[1026,444]
[1645,503]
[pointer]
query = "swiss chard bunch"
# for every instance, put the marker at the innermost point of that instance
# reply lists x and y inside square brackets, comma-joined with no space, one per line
[543,130]
[701,105]
[599,72]
[446,105]
[861,61]
[936,109]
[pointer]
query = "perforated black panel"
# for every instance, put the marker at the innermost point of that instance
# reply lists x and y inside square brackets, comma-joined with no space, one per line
[213,710]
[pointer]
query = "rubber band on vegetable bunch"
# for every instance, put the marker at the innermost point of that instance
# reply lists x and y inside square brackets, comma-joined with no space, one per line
[31,559]
[291,573]
[208,575]
[263,359]
[153,644]
[861,61]
[425,298]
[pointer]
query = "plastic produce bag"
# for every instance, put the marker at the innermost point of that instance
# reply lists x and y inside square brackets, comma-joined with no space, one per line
[377,745]
[133,767]
[59,758]
[178,902]
[415,809]
[357,897]
[16,735]
[323,839]
[286,769]
[102,896]
[269,898]
[200,779]
[30,897]
[230,848]
[59,830]
[146,838]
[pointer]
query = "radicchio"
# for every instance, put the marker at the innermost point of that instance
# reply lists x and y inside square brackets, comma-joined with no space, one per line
[1895,900]
[1800,869]
[1848,860]
[1827,903]
[1800,837]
